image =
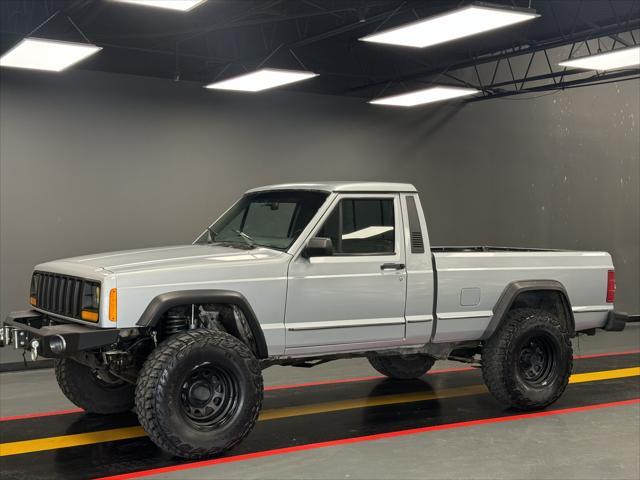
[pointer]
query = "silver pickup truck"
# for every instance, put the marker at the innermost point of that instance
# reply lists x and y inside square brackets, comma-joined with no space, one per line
[300,274]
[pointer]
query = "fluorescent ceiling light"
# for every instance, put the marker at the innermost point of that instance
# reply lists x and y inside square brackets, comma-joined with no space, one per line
[622,58]
[43,54]
[181,5]
[451,25]
[261,80]
[366,233]
[427,95]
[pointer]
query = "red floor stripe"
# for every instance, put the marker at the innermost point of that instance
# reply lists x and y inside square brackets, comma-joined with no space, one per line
[367,438]
[606,354]
[41,414]
[320,383]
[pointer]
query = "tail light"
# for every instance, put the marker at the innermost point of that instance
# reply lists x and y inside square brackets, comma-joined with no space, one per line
[611,286]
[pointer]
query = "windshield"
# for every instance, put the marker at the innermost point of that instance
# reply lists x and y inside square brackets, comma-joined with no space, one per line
[267,219]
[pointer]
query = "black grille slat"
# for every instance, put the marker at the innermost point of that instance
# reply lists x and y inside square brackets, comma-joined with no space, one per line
[61,294]
[47,293]
[67,296]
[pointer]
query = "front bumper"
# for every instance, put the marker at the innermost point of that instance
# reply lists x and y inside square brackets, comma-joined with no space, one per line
[49,338]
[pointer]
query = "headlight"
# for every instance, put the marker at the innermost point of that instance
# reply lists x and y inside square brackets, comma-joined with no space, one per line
[90,302]
[33,291]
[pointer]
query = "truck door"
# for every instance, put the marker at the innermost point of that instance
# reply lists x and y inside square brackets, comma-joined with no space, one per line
[355,297]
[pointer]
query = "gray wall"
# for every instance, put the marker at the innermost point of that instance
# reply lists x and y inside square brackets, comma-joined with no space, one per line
[93,162]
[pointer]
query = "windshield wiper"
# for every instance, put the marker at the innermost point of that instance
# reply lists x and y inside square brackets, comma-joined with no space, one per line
[247,238]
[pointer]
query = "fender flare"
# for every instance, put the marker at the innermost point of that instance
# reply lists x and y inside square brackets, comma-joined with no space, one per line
[163,302]
[511,292]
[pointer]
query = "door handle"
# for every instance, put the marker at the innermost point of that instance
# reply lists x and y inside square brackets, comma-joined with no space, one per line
[392,266]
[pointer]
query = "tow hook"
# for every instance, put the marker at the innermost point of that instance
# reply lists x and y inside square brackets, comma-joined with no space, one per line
[6,337]
[33,351]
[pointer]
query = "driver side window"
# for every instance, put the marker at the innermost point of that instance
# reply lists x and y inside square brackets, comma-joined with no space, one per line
[360,226]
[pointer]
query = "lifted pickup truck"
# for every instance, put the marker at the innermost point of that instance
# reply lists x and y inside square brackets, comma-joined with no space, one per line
[301,274]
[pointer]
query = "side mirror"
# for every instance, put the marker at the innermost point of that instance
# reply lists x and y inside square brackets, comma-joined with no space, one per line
[318,247]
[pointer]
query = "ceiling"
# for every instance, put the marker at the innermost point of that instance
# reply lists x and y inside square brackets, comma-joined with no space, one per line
[226,37]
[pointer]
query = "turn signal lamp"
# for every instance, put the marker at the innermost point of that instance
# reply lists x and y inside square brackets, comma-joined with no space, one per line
[611,286]
[113,305]
[33,301]
[89,315]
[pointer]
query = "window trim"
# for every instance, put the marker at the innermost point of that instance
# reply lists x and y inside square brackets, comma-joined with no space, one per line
[355,196]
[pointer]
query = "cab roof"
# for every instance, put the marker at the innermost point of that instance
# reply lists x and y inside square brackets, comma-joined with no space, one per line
[340,187]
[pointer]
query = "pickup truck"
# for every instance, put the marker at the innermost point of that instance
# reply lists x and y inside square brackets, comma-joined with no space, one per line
[300,274]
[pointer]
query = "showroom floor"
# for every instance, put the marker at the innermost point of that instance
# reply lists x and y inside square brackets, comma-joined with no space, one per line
[314,421]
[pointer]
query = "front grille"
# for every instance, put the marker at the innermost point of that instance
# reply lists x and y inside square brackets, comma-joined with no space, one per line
[62,294]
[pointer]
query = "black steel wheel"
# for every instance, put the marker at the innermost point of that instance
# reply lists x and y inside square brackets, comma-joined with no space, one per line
[538,359]
[527,363]
[209,396]
[199,393]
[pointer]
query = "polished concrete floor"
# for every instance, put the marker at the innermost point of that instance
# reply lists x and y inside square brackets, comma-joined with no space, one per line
[340,420]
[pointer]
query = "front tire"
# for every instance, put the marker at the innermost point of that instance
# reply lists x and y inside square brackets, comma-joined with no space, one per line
[402,367]
[84,387]
[199,393]
[527,363]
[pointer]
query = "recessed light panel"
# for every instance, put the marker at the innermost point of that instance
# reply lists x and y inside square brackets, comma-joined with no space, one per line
[261,80]
[452,25]
[622,58]
[427,95]
[181,5]
[43,54]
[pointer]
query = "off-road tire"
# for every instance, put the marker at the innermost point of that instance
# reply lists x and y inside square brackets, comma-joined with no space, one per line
[159,404]
[81,385]
[402,367]
[502,360]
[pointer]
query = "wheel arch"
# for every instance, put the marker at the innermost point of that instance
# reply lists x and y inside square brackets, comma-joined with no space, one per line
[165,301]
[544,294]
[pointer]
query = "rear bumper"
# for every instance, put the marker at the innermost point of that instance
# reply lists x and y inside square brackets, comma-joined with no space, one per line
[49,338]
[616,321]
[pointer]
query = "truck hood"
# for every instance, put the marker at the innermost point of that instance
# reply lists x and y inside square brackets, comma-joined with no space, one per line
[128,261]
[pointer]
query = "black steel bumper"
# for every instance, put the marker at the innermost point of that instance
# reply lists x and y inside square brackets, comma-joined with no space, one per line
[616,321]
[51,338]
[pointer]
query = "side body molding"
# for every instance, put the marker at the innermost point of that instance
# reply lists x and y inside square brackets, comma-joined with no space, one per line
[160,304]
[514,289]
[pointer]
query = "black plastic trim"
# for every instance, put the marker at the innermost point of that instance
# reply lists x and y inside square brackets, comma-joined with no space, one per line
[160,304]
[417,242]
[511,292]
[616,321]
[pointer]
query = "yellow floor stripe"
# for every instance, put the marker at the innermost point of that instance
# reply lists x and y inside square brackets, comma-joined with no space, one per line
[66,441]
[606,375]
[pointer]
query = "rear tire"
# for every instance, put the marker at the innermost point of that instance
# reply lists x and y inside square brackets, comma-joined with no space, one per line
[402,367]
[199,393]
[527,363]
[87,390]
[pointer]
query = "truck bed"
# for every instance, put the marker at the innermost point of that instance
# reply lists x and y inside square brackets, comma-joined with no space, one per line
[470,280]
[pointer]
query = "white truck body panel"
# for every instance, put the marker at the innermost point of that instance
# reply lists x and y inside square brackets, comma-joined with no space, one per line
[320,305]
[583,274]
